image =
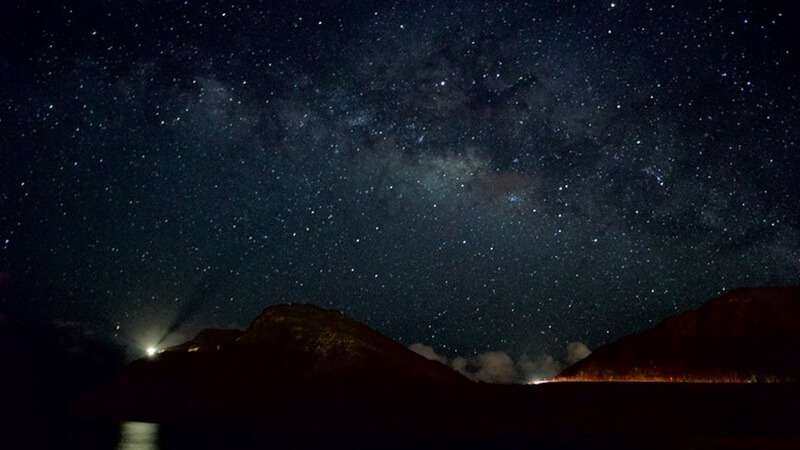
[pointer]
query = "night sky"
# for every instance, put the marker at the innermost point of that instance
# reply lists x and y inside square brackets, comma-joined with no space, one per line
[471,175]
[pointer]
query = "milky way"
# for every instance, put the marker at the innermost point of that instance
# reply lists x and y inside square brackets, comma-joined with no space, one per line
[474,176]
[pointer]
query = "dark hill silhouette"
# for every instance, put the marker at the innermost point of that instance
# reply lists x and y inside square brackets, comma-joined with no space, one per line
[309,343]
[304,377]
[746,335]
[292,358]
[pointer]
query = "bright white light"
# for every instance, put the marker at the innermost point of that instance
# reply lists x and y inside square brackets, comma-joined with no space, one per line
[538,381]
[151,352]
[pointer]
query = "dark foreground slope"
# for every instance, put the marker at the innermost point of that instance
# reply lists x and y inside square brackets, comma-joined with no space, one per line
[746,335]
[564,416]
[44,368]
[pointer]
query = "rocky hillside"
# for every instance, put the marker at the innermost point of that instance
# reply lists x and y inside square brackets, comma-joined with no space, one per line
[289,355]
[746,335]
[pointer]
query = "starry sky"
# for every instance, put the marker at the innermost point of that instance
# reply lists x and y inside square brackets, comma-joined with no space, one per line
[471,175]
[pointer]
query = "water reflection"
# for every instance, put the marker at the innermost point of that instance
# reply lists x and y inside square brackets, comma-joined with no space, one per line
[138,436]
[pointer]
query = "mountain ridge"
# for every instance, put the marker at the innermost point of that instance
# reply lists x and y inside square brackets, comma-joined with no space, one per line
[744,335]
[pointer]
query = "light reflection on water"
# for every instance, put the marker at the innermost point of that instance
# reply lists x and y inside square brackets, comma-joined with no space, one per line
[138,436]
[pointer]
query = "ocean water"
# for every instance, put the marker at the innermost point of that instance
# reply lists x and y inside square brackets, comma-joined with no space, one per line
[150,436]
[138,436]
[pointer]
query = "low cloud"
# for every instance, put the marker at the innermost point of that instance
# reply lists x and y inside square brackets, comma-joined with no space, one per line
[500,368]
[428,352]
[460,364]
[577,351]
[495,367]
